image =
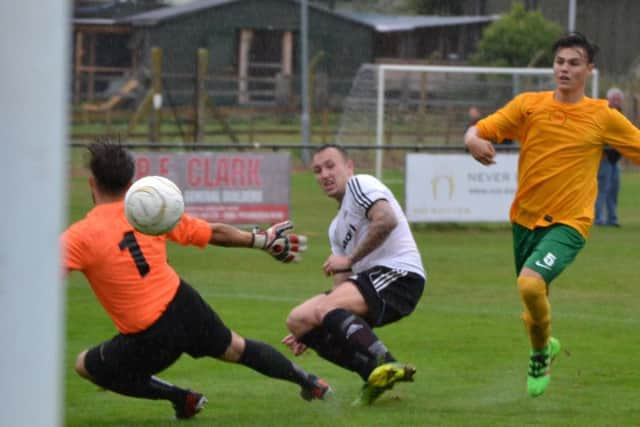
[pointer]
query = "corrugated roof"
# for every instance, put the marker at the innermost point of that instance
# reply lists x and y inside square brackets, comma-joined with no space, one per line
[380,23]
[390,23]
[158,15]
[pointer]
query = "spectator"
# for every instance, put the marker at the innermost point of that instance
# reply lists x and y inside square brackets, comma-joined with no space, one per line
[609,173]
[474,115]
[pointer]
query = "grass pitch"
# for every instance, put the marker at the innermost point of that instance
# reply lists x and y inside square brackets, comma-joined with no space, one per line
[465,337]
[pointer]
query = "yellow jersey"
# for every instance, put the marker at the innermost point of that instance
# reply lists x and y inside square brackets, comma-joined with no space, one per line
[560,150]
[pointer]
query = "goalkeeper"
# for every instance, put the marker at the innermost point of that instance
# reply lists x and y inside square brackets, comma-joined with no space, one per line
[158,315]
[377,272]
[562,134]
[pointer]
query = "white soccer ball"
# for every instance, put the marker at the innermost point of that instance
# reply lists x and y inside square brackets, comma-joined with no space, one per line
[153,205]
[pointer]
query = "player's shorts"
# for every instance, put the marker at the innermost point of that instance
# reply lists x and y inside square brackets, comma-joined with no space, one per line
[546,250]
[390,294]
[188,325]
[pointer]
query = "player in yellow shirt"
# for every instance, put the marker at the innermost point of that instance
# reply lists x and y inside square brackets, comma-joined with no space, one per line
[562,134]
[158,315]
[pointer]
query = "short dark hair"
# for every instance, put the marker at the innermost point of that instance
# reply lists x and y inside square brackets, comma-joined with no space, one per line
[341,149]
[576,39]
[111,165]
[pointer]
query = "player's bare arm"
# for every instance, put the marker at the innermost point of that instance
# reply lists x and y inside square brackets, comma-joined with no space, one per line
[481,149]
[383,221]
[229,236]
[340,278]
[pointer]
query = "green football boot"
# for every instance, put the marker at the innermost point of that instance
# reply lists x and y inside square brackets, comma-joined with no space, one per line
[540,362]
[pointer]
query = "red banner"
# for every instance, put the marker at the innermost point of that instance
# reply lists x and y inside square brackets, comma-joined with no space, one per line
[235,188]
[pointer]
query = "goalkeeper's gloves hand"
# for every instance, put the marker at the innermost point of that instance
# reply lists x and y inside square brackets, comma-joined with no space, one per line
[276,240]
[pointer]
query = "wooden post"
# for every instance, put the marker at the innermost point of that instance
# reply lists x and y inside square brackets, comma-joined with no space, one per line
[201,95]
[243,66]
[92,63]
[77,84]
[287,53]
[155,119]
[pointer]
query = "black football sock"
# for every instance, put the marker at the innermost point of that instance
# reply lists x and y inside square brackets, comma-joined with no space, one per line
[367,348]
[143,387]
[323,343]
[268,361]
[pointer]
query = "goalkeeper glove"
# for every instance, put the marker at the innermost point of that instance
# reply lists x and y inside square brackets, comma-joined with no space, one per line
[283,246]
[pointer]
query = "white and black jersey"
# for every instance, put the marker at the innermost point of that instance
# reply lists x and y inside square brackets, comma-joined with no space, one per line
[350,226]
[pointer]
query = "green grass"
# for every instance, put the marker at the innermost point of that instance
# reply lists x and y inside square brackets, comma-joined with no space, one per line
[465,337]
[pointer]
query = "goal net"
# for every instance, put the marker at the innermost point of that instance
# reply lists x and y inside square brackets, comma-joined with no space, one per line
[406,107]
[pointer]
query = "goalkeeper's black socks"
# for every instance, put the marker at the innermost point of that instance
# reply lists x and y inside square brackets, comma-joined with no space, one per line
[140,386]
[367,349]
[268,361]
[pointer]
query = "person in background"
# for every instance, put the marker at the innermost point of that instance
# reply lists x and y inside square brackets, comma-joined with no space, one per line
[377,273]
[474,115]
[609,173]
[562,134]
[158,315]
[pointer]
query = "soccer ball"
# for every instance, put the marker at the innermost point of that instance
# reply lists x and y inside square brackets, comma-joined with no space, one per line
[153,205]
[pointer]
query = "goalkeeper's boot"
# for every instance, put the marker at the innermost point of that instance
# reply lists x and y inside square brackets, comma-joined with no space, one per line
[317,389]
[540,367]
[191,404]
[383,378]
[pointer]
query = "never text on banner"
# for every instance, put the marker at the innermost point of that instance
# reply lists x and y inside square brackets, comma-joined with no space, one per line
[456,188]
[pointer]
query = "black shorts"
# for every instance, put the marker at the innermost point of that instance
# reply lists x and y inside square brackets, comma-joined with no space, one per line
[390,294]
[188,325]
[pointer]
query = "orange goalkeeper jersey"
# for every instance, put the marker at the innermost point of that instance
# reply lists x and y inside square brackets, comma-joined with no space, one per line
[560,150]
[127,270]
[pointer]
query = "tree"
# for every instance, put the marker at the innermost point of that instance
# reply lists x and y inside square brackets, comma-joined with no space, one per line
[437,7]
[519,39]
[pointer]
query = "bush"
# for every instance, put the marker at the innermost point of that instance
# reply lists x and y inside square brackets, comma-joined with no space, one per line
[519,39]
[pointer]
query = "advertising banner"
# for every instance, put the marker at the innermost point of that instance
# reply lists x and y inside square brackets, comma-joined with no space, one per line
[456,188]
[236,188]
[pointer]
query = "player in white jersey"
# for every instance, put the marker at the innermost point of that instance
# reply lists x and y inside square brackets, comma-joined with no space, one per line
[378,277]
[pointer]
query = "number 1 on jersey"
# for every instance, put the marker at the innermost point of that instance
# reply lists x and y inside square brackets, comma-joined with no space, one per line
[129,242]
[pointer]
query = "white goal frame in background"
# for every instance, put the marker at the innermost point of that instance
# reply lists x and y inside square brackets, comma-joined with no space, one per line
[516,72]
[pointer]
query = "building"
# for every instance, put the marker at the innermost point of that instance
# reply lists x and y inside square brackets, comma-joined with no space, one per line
[252,44]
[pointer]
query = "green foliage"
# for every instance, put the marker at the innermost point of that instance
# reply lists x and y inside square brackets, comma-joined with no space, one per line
[437,7]
[519,39]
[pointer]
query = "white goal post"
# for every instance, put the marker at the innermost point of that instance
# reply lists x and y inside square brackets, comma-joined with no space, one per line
[384,71]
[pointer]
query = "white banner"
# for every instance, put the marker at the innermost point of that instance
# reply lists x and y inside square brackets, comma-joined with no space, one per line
[456,188]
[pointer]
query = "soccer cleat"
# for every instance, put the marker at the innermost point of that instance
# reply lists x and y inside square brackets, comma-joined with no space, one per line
[539,375]
[382,379]
[192,404]
[368,395]
[318,389]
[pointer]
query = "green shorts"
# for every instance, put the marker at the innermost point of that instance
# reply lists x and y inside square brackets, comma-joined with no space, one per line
[546,250]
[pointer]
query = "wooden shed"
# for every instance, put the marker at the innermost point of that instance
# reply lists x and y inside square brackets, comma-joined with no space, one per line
[252,44]
[246,39]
